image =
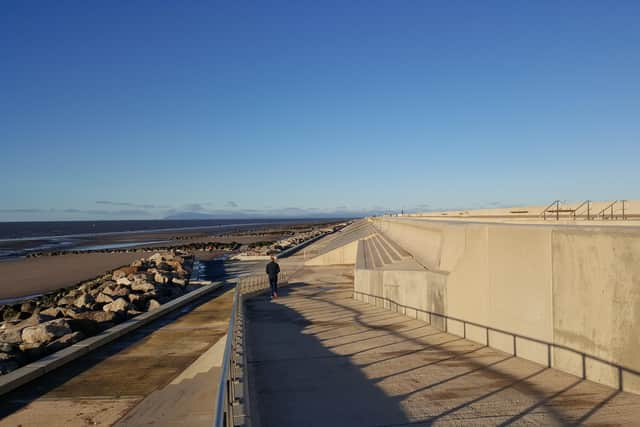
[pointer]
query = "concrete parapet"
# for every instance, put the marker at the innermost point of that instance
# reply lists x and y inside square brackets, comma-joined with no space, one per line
[342,255]
[564,297]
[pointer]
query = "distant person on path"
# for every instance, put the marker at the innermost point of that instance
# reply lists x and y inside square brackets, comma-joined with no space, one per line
[272,271]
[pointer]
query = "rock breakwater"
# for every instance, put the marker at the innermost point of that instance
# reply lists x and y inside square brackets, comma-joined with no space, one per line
[190,247]
[40,326]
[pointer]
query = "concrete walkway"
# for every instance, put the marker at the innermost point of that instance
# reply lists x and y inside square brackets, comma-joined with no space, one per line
[188,400]
[317,357]
[103,386]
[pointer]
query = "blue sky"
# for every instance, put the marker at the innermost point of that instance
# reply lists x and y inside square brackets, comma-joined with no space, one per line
[132,109]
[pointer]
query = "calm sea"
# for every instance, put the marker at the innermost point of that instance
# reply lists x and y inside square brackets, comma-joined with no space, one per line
[20,238]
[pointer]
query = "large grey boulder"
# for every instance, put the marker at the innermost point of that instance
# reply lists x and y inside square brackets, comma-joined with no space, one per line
[119,305]
[138,264]
[143,287]
[11,313]
[11,336]
[141,277]
[12,333]
[153,304]
[104,298]
[100,316]
[123,272]
[34,320]
[124,281]
[45,332]
[84,301]
[66,300]
[88,327]
[116,291]
[28,307]
[157,258]
[162,277]
[180,281]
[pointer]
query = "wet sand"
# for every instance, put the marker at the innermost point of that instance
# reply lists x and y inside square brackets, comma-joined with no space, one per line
[28,276]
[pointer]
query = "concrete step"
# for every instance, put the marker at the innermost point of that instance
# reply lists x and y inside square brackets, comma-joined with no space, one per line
[397,248]
[374,255]
[386,259]
[393,255]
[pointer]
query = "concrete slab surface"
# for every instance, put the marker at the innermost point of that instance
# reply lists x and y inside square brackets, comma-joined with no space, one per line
[318,357]
[102,386]
[189,400]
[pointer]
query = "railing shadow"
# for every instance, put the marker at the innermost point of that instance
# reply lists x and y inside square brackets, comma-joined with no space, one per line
[296,380]
[277,328]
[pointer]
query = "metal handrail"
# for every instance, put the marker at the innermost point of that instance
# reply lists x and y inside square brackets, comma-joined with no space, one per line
[550,345]
[226,400]
[609,206]
[544,212]
[586,202]
[223,417]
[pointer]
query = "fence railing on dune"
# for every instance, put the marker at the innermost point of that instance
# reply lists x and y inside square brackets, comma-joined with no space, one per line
[614,210]
[232,402]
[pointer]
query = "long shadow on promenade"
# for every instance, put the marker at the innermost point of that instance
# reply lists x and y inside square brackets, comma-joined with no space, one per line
[296,381]
[298,377]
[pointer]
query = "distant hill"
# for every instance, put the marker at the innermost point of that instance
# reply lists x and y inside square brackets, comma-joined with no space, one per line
[251,215]
[200,215]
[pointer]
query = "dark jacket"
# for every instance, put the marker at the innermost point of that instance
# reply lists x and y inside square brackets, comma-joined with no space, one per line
[273,269]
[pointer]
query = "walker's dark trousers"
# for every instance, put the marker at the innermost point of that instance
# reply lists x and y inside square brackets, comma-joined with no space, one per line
[273,282]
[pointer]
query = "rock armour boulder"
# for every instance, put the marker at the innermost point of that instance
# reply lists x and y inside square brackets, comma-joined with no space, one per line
[118,305]
[45,332]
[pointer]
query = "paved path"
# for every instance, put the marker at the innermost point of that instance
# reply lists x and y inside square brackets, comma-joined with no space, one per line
[317,357]
[188,400]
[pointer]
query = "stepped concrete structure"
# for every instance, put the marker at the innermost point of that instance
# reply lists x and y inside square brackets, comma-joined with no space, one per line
[564,297]
[411,321]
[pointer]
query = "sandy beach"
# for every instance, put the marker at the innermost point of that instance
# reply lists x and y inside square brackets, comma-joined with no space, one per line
[28,276]
[21,277]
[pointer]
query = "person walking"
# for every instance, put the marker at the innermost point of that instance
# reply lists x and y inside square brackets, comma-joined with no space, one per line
[272,271]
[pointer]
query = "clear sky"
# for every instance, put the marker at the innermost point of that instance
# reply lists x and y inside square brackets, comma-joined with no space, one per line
[133,109]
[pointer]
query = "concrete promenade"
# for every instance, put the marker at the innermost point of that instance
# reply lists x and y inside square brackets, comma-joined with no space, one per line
[318,357]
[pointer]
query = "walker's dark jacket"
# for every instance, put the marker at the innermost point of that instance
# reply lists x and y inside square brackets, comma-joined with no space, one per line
[273,269]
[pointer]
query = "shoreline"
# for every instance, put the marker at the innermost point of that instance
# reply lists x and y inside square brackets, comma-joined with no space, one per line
[87,242]
[31,275]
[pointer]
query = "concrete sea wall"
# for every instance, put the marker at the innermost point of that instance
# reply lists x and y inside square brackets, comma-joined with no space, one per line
[565,297]
[343,255]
